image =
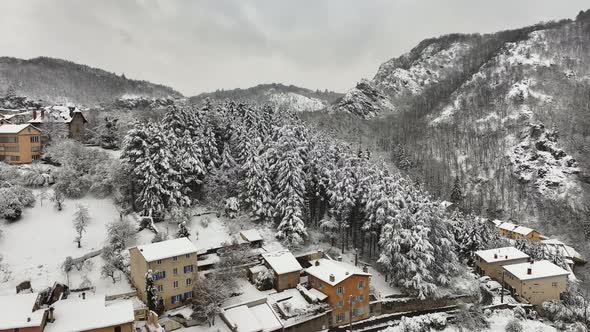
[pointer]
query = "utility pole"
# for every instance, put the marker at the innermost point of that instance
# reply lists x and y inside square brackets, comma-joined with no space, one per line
[502,291]
[356,256]
[350,312]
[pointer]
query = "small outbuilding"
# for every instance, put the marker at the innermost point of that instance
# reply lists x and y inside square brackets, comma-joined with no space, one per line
[286,268]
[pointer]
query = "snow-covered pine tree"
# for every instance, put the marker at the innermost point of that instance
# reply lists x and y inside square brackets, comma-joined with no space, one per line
[456,192]
[188,158]
[176,121]
[290,184]
[255,187]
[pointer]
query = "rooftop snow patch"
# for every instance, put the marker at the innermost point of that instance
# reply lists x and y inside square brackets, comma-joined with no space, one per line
[282,261]
[540,269]
[501,254]
[515,228]
[254,319]
[13,128]
[324,268]
[166,249]
[92,313]
[251,235]
[16,311]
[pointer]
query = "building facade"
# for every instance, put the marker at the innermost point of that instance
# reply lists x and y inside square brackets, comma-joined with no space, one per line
[67,121]
[490,262]
[536,282]
[19,144]
[173,264]
[516,232]
[344,285]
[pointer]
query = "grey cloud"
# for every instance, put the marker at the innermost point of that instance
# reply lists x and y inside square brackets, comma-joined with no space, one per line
[198,46]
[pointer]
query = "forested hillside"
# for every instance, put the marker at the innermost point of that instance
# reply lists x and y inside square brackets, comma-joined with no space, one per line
[59,81]
[503,118]
[288,97]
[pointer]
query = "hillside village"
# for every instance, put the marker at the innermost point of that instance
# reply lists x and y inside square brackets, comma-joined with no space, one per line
[260,282]
[127,207]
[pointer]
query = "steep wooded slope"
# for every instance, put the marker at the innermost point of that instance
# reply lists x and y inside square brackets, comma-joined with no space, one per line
[59,81]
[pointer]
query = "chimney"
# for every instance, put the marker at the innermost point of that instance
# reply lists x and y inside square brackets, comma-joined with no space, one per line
[346,273]
[366,269]
[42,114]
[332,278]
[34,114]
[71,108]
[83,295]
[506,256]
[339,258]
[317,263]
[529,270]
[495,256]
[28,319]
[50,319]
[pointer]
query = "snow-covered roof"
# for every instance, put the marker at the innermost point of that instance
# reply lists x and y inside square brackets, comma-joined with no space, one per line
[13,128]
[515,228]
[16,311]
[501,254]
[568,251]
[319,295]
[56,113]
[166,249]
[282,261]
[75,314]
[324,268]
[540,269]
[251,235]
[259,318]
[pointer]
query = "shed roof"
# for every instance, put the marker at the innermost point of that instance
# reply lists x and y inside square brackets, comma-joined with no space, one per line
[282,261]
[501,254]
[258,318]
[74,314]
[323,268]
[166,249]
[515,228]
[540,269]
[251,235]
[16,311]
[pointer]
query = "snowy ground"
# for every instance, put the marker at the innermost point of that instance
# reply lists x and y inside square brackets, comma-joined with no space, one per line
[34,247]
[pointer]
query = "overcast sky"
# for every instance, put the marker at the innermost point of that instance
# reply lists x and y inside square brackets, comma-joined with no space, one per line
[197,46]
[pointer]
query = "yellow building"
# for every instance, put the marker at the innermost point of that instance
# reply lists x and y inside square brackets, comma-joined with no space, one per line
[91,314]
[174,265]
[516,232]
[536,282]
[490,262]
[19,144]
[342,285]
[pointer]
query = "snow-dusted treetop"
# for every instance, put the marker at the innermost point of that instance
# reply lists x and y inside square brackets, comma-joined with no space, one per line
[17,309]
[166,249]
[75,314]
[540,269]
[282,261]
[324,268]
[501,254]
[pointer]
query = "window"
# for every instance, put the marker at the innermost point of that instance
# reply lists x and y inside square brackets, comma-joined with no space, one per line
[554,284]
[161,301]
[340,303]
[188,295]
[34,139]
[357,312]
[361,284]
[159,261]
[188,268]
[35,148]
[179,297]
[36,157]
[160,288]
[9,139]
[159,275]
[9,148]
[175,271]
[117,329]
[173,299]
[175,284]
[339,290]
[319,284]
[175,258]
[341,317]
[187,255]
[188,281]
[361,298]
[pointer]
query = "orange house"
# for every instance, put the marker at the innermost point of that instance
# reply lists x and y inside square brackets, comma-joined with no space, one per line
[19,144]
[344,285]
[516,232]
[286,268]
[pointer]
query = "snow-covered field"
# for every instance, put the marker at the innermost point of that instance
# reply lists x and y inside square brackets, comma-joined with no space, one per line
[34,247]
